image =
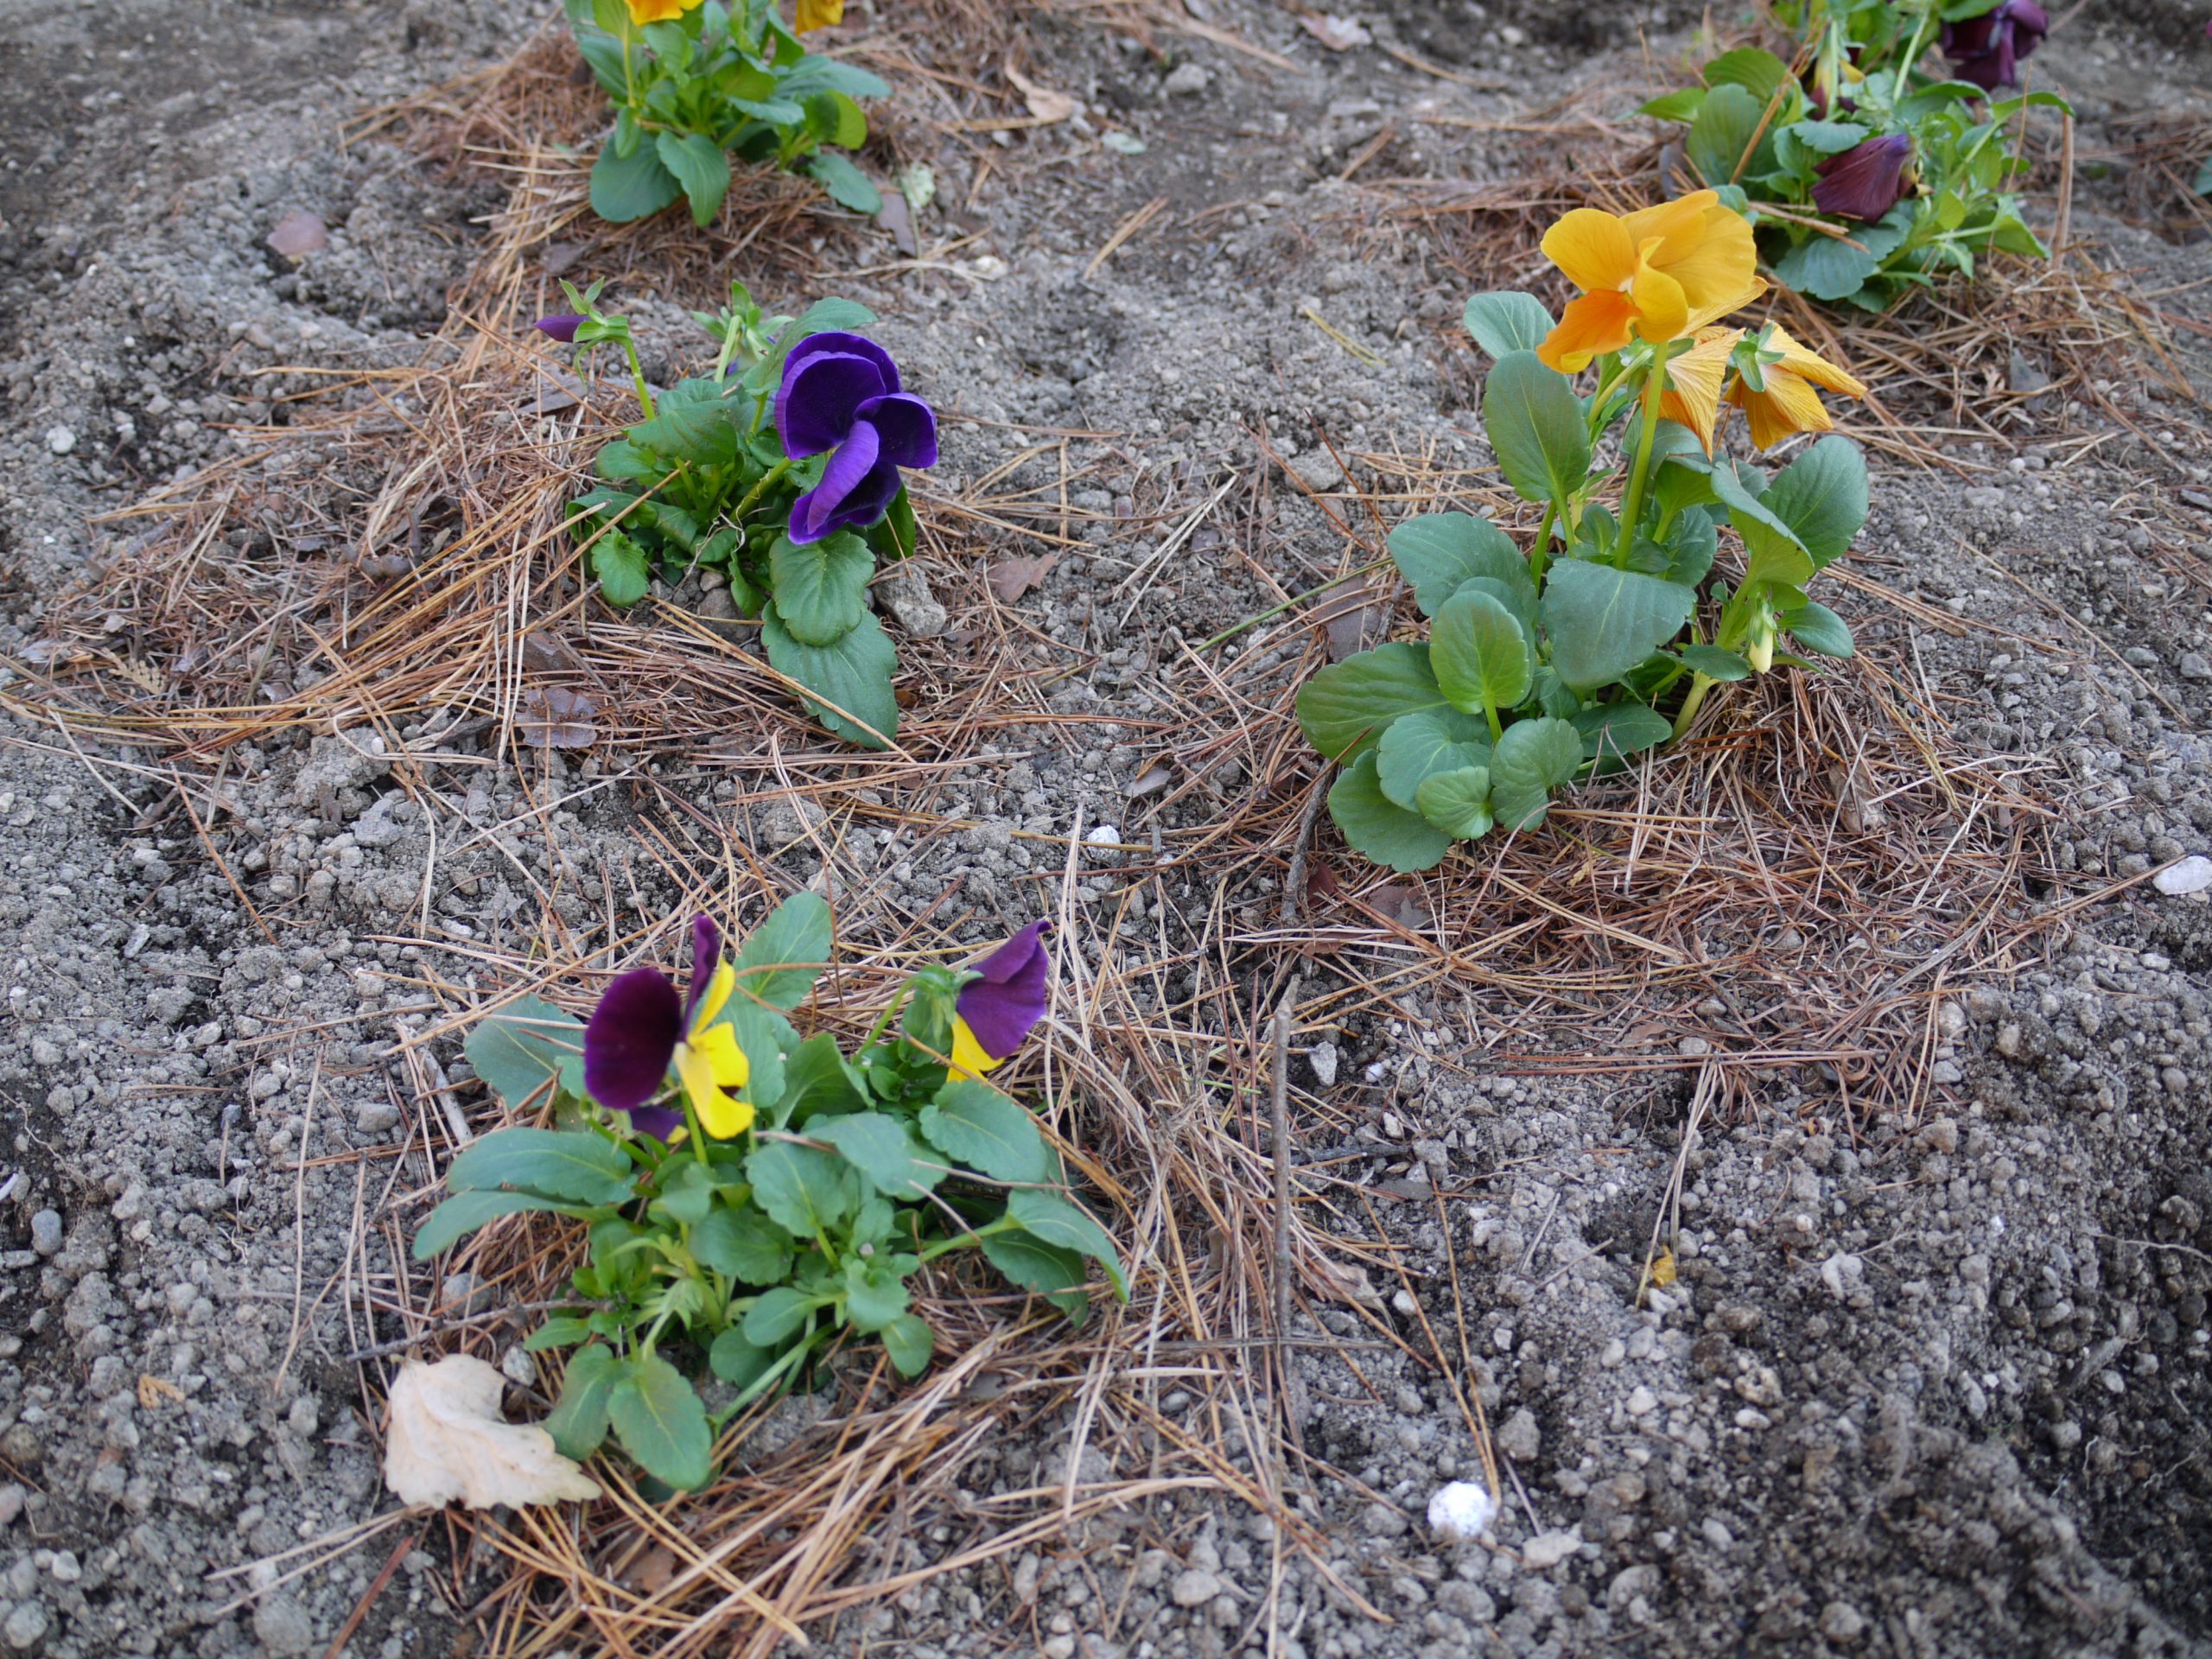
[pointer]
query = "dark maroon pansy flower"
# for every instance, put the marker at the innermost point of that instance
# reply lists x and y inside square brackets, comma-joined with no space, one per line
[840,396]
[632,1037]
[1013,990]
[1866,181]
[1987,50]
[561,328]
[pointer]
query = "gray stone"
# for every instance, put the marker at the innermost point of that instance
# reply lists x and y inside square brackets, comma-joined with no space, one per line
[1842,1623]
[1519,1437]
[1316,470]
[45,1232]
[283,1626]
[1187,80]
[904,592]
[61,440]
[26,1626]
[1323,1057]
[1195,1587]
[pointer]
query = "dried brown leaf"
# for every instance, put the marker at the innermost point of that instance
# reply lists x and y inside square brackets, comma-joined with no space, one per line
[447,1442]
[1045,104]
[557,718]
[298,235]
[1335,31]
[1011,578]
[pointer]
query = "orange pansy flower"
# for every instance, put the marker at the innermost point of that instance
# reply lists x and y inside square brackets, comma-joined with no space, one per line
[1656,274]
[1788,401]
[1693,394]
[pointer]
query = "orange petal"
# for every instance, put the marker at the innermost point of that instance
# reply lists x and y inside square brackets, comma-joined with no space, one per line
[818,14]
[1714,310]
[1590,327]
[1693,394]
[1816,368]
[1786,405]
[1718,268]
[1679,225]
[1662,312]
[1593,250]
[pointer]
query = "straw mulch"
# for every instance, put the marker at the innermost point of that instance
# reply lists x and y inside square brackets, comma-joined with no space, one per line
[1782,901]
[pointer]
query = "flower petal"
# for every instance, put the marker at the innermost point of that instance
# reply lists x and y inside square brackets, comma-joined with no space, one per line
[1590,327]
[1864,181]
[907,427]
[1002,1006]
[822,509]
[820,399]
[720,1115]
[969,1059]
[662,1123]
[725,1059]
[631,1038]
[1680,226]
[1594,250]
[706,956]
[1693,394]
[1800,359]
[1662,310]
[1718,267]
[562,328]
[837,343]
[1786,405]
[812,15]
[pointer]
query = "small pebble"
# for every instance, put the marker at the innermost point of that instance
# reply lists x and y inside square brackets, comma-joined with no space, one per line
[2192,874]
[61,440]
[45,1232]
[1549,1549]
[1195,1587]
[1461,1511]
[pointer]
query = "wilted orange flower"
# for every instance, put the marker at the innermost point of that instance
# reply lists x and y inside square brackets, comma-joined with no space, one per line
[658,11]
[1656,274]
[1693,394]
[1787,401]
[819,14]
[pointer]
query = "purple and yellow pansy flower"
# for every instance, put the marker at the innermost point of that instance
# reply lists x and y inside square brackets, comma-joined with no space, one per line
[642,1030]
[999,1007]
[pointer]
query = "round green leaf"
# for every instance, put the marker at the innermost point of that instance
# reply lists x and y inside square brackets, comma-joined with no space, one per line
[976,1125]
[850,680]
[1715,663]
[1818,630]
[1603,622]
[1458,803]
[1482,659]
[1439,551]
[909,1341]
[634,186]
[700,167]
[657,1415]
[1534,758]
[1377,827]
[1346,706]
[1507,321]
[1536,425]
[1420,745]
[821,588]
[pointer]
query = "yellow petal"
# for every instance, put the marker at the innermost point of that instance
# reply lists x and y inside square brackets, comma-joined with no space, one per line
[969,1059]
[1788,404]
[1799,359]
[717,993]
[1591,248]
[723,1115]
[725,1059]
[1718,267]
[1714,310]
[1662,312]
[658,11]
[1678,225]
[1593,325]
[1693,394]
[819,14]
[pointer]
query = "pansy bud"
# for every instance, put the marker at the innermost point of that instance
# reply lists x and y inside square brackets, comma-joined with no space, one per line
[1866,181]
[1987,50]
[998,1008]
[561,328]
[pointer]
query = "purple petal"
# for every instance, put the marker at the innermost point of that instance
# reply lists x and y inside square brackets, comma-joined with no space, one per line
[1864,181]
[820,399]
[906,426]
[631,1039]
[561,328]
[659,1122]
[706,956]
[843,345]
[827,506]
[1016,988]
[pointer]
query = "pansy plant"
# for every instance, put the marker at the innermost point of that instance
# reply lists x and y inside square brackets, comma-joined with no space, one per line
[695,82]
[1888,157]
[780,472]
[1605,638]
[753,1200]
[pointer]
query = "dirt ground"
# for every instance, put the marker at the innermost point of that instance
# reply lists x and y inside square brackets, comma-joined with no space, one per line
[1932,1378]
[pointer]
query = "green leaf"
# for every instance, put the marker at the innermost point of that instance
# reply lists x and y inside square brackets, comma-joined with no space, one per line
[1716,664]
[1420,745]
[1507,321]
[1619,730]
[1828,137]
[696,430]
[1826,268]
[1030,1262]
[821,587]
[578,1419]
[805,1191]
[976,1124]
[516,1049]
[848,186]
[624,569]
[874,1293]
[623,188]
[738,1360]
[1068,1226]
[816,1081]
[910,1342]
[1439,551]
[764,1036]
[1457,802]
[1377,827]
[558,1163]
[657,1415]
[895,535]
[1823,496]
[1818,630]
[687,1193]
[1534,758]
[1346,706]
[1482,660]
[776,1316]
[1682,105]
[783,957]
[884,1149]
[700,167]
[562,1331]
[1724,132]
[850,680]
[1603,622]
[1758,72]
[463,1213]
[1535,424]
[742,1244]
[837,119]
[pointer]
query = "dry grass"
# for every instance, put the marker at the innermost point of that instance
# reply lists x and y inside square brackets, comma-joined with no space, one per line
[1789,893]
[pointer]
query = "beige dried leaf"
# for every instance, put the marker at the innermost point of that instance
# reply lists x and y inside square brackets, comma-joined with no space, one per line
[1045,104]
[449,1441]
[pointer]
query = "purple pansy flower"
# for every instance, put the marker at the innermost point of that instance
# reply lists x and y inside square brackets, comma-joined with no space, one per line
[1866,181]
[561,328]
[642,1026]
[1987,50]
[841,395]
[997,1010]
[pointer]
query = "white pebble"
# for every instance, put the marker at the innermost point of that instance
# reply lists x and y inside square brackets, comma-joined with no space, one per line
[2192,874]
[1461,1511]
[1106,835]
[1549,1549]
[61,440]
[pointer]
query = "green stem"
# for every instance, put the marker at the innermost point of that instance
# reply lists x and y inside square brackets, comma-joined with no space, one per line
[698,1130]
[1540,556]
[638,376]
[962,1241]
[1654,384]
[767,480]
[1691,704]
[883,1020]
[1913,47]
